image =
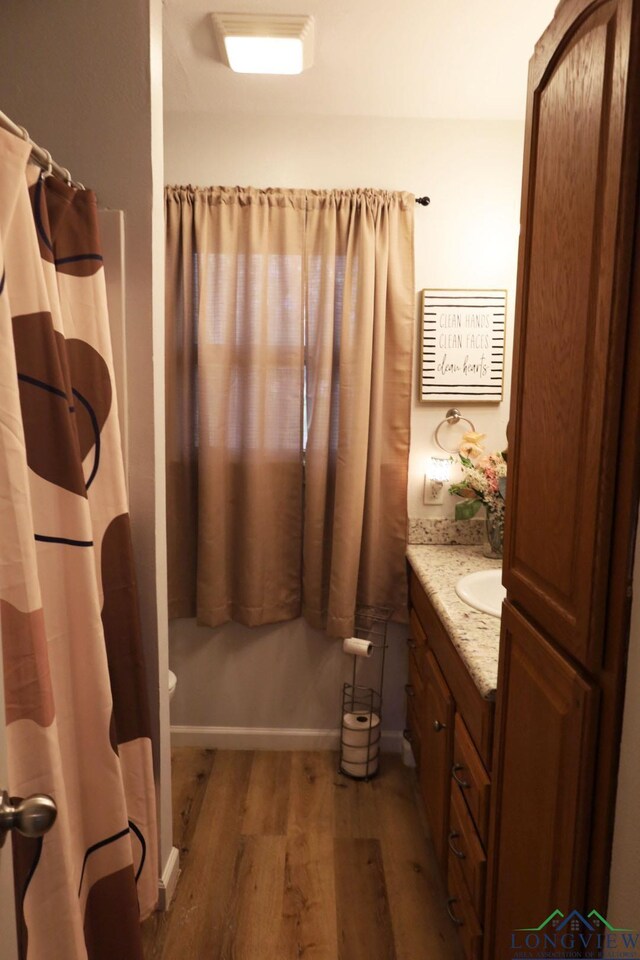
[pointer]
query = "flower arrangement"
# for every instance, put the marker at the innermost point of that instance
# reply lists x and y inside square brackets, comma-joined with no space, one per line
[483,484]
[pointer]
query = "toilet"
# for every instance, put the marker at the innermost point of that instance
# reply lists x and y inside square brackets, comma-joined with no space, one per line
[173,680]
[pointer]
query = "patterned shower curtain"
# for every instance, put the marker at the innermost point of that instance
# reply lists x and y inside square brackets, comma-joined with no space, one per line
[76,710]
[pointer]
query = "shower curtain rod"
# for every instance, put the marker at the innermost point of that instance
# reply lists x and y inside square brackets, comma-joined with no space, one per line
[41,156]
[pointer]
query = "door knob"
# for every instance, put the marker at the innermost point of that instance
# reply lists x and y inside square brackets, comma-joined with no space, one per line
[32,817]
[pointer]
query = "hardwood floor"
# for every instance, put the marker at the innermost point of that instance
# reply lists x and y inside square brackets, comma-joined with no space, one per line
[282,858]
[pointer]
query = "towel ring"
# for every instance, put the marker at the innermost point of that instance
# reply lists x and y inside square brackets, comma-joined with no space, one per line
[451,417]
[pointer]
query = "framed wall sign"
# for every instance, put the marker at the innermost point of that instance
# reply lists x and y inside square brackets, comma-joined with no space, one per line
[463,333]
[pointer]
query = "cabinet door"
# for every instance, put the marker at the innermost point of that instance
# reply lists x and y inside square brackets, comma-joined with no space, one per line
[571,316]
[436,755]
[415,707]
[546,727]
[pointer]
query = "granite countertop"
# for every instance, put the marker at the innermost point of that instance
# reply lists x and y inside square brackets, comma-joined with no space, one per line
[475,635]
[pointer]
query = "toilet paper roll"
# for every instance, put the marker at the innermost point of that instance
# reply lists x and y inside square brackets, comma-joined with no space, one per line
[359,754]
[358,647]
[360,770]
[357,725]
[360,743]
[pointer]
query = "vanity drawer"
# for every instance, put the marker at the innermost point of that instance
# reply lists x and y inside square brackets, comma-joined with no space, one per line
[462,914]
[469,773]
[465,846]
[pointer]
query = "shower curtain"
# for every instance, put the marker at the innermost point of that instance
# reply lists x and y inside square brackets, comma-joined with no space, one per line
[76,711]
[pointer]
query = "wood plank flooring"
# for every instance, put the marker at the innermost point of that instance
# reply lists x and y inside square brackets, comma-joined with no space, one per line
[282,858]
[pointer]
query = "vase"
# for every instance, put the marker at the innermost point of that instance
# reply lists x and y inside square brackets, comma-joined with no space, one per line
[495,532]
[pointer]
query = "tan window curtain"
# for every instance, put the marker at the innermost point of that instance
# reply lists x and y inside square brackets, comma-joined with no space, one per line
[360,313]
[267,290]
[181,383]
[235,402]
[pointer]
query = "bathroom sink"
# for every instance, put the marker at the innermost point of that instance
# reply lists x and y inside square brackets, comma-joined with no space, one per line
[483,591]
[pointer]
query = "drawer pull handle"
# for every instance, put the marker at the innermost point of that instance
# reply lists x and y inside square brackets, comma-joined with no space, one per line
[458,922]
[437,726]
[454,850]
[462,783]
[407,734]
[411,643]
[409,690]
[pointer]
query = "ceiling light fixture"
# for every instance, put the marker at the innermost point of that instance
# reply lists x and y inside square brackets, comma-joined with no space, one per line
[265,43]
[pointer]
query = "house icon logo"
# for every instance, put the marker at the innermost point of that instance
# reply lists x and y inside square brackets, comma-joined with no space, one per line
[561,936]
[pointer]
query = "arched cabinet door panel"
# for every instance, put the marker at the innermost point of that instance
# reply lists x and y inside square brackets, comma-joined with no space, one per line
[571,312]
[546,725]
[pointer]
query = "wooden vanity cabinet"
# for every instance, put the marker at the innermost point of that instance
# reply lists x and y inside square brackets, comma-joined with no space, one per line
[450,726]
[415,708]
[437,754]
[428,633]
[415,688]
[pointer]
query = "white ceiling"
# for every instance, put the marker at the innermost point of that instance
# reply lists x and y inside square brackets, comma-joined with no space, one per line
[390,58]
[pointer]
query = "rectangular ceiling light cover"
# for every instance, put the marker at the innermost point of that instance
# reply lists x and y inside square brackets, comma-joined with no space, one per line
[265,43]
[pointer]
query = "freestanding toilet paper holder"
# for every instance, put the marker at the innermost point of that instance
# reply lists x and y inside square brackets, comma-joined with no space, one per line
[361,717]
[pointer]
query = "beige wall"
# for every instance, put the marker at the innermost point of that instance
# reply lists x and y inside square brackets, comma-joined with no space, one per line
[289,675]
[85,79]
[285,676]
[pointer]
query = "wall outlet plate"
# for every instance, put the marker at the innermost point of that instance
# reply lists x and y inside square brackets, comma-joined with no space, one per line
[433,492]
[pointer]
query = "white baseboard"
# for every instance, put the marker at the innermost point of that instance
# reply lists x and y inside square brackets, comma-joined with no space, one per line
[169,879]
[270,738]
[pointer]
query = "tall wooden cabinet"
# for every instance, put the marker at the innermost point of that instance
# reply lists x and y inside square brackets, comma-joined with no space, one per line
[573,474]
